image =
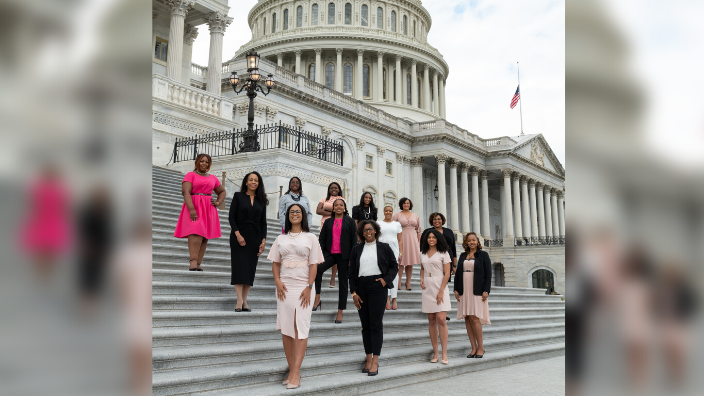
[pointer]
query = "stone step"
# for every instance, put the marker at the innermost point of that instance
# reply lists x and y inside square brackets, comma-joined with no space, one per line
[222,380]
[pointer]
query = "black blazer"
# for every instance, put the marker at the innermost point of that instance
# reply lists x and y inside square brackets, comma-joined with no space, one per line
[348,237]
[385,259]
[359,216]
[482,273]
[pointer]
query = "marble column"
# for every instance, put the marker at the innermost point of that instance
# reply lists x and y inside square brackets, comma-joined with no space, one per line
[414,84]
[280,59]
[360,165]
[486,226]
[399,99]
[217,23]
[435,93]
[502,199]
[319,66]
[548,213]
[358,93]
[508,212]
[381,173]
[518,226]
[174,55]
[189,35]
[426,88]
[400,176]
[476,223]
[464,186]
[525,207]
[541,210]
[442,191]
[417,192]
[561,211]
[338,71]
[553,211]
[442,98]
[533,209]
[380,76]
[454,206]
[407,177]
[298,62]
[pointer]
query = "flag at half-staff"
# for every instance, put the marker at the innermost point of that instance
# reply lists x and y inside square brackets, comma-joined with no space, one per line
[516,97]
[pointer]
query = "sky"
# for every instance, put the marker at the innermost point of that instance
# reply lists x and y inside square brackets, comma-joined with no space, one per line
[481,42]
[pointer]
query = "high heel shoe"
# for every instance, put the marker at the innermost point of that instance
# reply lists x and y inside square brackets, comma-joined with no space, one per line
[189,264]
[434,360]
[366,370]
[285,382]
[373,373]
[445,362]
[292,386]
[320,305]
[471,356]
[478,356]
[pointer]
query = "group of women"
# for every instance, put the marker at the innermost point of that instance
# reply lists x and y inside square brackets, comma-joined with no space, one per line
[368,256]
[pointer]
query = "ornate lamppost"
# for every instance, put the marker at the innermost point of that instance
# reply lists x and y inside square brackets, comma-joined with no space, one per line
[252,84]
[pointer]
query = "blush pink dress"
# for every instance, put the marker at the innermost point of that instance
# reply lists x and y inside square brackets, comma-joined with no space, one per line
[208,223]
[411,230]
[470,304]
[327,205]
[433,268]
[295,255]
[48,227]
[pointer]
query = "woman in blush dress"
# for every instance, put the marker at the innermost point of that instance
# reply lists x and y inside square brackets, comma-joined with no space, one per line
[296,256]
[410,223]
[199,220]
[392,234]
[472,287]
[324,209]
[434,274]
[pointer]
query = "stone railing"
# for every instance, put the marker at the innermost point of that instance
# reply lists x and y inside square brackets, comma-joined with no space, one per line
[192,98]
[426,125]
[199,70]
[492,142]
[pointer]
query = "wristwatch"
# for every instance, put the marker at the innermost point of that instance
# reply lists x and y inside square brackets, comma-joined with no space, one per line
[310,286]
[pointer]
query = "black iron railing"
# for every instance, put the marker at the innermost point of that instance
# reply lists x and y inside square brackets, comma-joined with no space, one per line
[272,136]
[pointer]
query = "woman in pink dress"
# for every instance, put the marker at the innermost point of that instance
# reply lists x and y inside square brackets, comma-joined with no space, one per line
[324,209]
[434,274]
[472,287]
[296,255]
[410,223]
[199,220]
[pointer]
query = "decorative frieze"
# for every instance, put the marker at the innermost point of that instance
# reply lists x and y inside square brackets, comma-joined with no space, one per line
[218,22]
[441,158]
[417,161]
[180,7]
[507,173]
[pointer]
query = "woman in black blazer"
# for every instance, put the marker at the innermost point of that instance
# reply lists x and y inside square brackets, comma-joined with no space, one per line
[472,288]
[366,210]
[372,271]
[337,237]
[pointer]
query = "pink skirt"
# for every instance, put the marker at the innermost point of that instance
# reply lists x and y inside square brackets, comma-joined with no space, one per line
[296,280]
[471,305]
[208,223]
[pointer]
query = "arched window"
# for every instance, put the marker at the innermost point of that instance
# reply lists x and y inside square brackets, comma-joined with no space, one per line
[299,16]
[311,71]
[347,83]
[286,19]
[314,18]
[419,94]
[365,80]
[273,23]
[393,21]
[331,14]
[384,83]
[414,28]
[365,15]
[371,190]
[543,279]
[408,89]
[390,199]
[330,75]
[348,14]
[405,30]
[379,18]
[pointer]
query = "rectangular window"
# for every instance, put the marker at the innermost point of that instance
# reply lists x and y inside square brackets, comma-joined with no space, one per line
[161,49]
[379,18]
[330,76]
[299,16]
[331,14]
[408,89]
[389,168]
[348,14]
[365,15]
[347,80]
[365,80]
[384,83]
[273,23]
[370,163]
[393,21]
[314,18]
[405,29]
[286,19]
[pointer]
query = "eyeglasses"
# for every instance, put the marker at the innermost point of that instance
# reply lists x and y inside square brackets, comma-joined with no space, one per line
[366,230]
[295,212]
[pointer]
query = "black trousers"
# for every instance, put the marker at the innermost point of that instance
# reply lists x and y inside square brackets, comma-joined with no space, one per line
[373,295]
[342,268]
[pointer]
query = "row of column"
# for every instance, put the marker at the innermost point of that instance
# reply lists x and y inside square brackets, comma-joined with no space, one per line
[533,213]
[217,23]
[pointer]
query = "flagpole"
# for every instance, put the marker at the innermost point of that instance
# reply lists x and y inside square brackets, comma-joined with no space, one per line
[520,97]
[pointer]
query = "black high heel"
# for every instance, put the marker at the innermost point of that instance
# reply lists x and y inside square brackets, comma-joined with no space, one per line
[479,356]
[373,373]
[320,305]
[189,264]
[471,356]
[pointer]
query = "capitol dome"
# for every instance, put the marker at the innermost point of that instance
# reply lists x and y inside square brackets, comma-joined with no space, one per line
[373,51]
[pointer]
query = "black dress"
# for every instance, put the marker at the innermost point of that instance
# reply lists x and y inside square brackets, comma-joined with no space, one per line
[250,220]
[360,213]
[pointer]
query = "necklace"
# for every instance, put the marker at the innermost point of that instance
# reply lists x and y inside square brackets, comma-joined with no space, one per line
[201,173]
[294,237]
[295,197]
[367,213]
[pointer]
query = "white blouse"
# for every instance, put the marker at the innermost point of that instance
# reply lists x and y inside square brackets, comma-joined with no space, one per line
[389,234]
[368,264]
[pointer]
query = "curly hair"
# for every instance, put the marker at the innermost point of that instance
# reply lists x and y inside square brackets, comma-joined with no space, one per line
[434,215]
[304,219]
[402,201]
[363,223]
[465,245]
[441,244]
[259,192]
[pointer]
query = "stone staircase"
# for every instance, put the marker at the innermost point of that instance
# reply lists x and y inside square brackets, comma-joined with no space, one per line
[202,347]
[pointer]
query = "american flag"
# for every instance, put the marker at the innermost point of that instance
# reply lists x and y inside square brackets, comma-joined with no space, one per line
[516,96]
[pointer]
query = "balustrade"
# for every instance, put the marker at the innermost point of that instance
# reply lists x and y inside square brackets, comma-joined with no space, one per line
[190,97]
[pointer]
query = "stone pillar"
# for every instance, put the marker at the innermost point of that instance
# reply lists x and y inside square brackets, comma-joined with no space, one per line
[435,93]
[399,99]
[442,98]
[426,88]
[541,210]
[561,211]
[486,226]
[502,198]
[174,55]
[476,224]
[464,186]
[525,207]
[454,206]
[548,213]
[360,165]
[319,66]
[280,59]
[554,214]
[442,192]
[380,76]
[189,35]
[508,212]
[414,84]
[298,62]
[518,227]
[417,198]
[405,68]
[533,209]
[338,71]
[359,93]
[217,22]
[381,172]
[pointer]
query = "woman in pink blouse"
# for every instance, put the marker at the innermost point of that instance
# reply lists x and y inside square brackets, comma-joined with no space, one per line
[324,209]
[410,223]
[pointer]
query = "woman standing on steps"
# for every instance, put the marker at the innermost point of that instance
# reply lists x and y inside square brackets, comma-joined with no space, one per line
[434,274]
[366,210]
[248,236]
[411,240]
[472,287]
[294,195]
[391,234]
[337,238]
[325,210]
[373,267]
[437,221]
[296,256]
[199,219]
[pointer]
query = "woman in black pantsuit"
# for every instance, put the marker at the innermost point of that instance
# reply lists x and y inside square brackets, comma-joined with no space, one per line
[337,237]
[248,236]
[372,271]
